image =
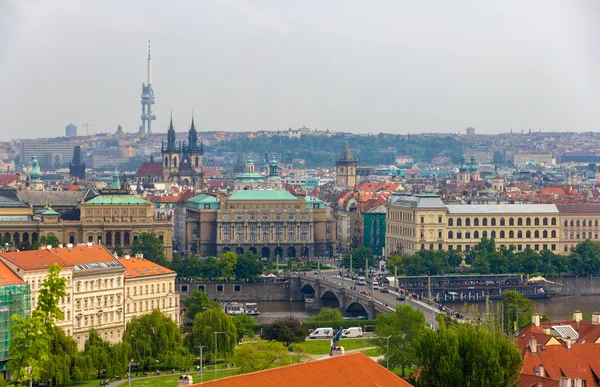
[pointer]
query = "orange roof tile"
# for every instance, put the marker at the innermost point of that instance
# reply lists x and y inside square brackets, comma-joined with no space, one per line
[139,267]
[355,370]
[7,276]
[533,380]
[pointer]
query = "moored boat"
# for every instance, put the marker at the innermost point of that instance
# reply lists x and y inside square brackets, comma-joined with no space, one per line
[235,308]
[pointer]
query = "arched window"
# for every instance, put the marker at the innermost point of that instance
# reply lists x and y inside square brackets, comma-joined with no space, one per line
[545,222]
[450,222]
[536,221]
[484,222]
[126,238]
[571,223]
[502,222]
[118,238]
[196,162]
[459,235]
[553,234]
[476,222]
[520,222]
[166,161]
[511,221]
[545,234]
[511,234]
[175,162]
[519,234]
[108,238]
[476,234]
[577,222]
[528,222]
[536,234]
[459,222]
[493,221]
[450,235]
[467,234]
[493,234]
[16,238]
[34,237]
[467,221]
[528,234]
[502,234]
[484,234]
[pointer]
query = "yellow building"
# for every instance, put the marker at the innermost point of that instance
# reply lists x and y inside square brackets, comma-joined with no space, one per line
[149,286]
[578,222]
[113,218]
[99,287]
[424,222]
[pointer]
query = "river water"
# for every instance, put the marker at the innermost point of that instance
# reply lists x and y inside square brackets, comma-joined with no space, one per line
[557,308]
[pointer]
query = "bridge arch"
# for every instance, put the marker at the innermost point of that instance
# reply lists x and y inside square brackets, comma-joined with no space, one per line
[307,290]
[356,309]
[330,299]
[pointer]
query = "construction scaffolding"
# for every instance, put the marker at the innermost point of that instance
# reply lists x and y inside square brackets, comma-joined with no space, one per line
[14,299]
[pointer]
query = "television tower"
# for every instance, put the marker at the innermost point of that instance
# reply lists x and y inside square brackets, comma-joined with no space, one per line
[148,99]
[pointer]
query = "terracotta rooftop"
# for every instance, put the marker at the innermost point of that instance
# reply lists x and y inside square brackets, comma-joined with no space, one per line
[149,168]
[7,276]
[533,380]
[140,267]
[354,370]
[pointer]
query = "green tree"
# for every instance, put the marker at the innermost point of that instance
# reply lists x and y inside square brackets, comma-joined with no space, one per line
[227,263]
[361,258]
[149,244]
[261,355]
[287,331]
[119,251]
[248,267]
[197,302]
[466,355]
[328,314]
[155,338]
[210,268]
[403,325]
[190,266]
[395,261]
[31,336]
[245,326]
[515,303]
[203,333]
[46,240]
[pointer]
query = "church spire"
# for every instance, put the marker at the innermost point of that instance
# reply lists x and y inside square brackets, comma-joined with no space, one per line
[193,136]
[346,152]
[171,136]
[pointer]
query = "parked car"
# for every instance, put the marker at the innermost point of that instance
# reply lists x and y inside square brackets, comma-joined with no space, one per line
[384,290]
[400,297]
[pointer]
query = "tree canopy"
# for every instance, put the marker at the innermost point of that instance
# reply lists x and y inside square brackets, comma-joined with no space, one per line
[287,331]
[197,302]
[328,314]
[208,322]
[149,244]
[362,257]
[260,355]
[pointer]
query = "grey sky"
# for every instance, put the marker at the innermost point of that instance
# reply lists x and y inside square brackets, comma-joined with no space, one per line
[359,66]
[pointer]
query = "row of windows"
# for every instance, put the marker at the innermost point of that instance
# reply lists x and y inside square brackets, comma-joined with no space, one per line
[88,302]
[265,236]
[501,221]
[100,318]
[126,238]
[39,281]
[536,247]
[581,235]
[265,206]
[149,289]
[502,234]
[98,284]
[581,223]
[403,216]
[266,227]
[112,336]
[149,305]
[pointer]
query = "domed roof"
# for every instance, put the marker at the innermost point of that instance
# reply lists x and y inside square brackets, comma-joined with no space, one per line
[35,172]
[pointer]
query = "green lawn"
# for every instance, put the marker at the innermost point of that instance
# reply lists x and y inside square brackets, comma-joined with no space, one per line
[374,352]
[173,380]
[322,347]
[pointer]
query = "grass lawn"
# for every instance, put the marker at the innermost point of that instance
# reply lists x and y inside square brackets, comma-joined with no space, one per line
[173,380]
[374,352]
[322,347]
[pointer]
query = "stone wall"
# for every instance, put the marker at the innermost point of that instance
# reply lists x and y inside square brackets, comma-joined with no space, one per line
[242,291]
[577,286]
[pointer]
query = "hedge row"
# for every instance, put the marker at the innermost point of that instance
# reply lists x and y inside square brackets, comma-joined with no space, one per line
[344,324]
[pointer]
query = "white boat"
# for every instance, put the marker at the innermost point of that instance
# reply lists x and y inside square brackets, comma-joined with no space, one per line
[234,308]
[309,299]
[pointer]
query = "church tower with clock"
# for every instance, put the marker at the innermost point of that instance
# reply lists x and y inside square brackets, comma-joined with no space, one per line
[345,167]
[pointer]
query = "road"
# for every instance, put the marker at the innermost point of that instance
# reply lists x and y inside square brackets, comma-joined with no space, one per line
[383,298]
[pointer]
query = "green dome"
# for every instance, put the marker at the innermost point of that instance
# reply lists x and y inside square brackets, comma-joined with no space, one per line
[35,172]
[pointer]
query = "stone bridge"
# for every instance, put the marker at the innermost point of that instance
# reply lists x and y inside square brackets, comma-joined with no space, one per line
[329,294]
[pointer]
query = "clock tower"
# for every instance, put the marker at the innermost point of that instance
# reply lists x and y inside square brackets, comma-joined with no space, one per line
[345,167]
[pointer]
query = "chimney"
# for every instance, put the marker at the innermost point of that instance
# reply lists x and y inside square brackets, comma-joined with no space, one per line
[127,256]
[541,371]
[90,244]
[69,245]
[569,343]
[533,345]
[596,318]
[564,382]
[139,255]
[535,320]
[60,245]
[577,316]
[547,331]
[578,382]
[49,247]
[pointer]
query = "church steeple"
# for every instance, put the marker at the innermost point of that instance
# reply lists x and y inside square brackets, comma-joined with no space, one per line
[193,136]
[346,152]
[171,146]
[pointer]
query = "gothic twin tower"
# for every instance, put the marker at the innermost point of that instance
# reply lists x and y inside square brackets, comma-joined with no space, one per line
[182,163]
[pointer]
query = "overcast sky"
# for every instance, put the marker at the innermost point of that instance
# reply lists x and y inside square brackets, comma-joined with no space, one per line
[359,66]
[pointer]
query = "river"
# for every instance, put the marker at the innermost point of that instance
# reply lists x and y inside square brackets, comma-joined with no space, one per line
[275,310]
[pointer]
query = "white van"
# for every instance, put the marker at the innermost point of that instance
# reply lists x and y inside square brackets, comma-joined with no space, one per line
[321,333]
[375,285]
[353,332]
[361,281]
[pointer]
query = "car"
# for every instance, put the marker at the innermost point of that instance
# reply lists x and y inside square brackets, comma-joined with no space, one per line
[384,290]
[400,297]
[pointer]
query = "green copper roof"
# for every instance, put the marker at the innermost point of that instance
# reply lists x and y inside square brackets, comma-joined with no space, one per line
[200,201]
[116,199]
[35,172]
[262,195]
[311,201]
[116,184]
[50,211]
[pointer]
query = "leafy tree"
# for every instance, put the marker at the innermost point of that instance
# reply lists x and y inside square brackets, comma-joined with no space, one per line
[397,262]
[362,257]
[466,355]
[197,302]
[287,331]
[149,244]
[46,240]
[30,336]
[403,325]
[119,251]
[328,314]
[248,267]
[65,363]
[300,352]
[190,266]
[227,263]
[481,264]
[210,268]
[203,333]
[153,337]
[513,303]
[245,326]
[261,355]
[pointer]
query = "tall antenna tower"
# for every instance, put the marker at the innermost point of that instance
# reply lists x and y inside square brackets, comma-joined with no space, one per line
[148,98]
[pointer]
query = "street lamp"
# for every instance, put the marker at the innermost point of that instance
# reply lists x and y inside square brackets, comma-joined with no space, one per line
[200,346]
[216,346]
[387,352]
[129,369]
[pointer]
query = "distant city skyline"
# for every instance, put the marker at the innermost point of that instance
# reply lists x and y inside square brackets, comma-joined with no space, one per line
[385,66]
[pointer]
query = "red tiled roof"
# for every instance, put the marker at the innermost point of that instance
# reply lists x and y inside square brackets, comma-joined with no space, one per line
[65,257]
[150,168]
[533,380]
[355,370]
[140,267]
[7,276]
[7,179]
